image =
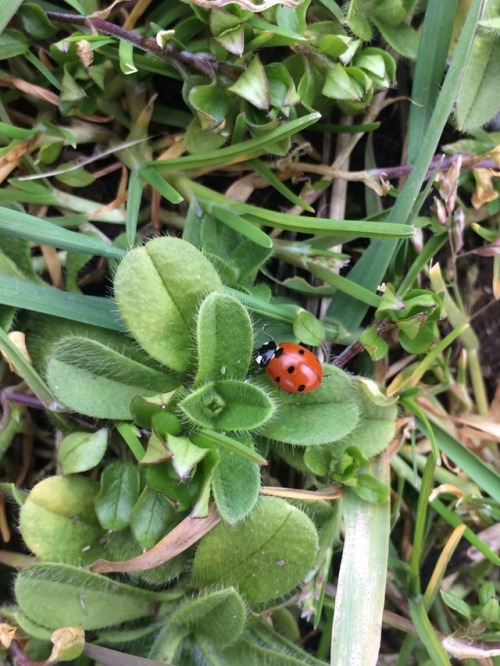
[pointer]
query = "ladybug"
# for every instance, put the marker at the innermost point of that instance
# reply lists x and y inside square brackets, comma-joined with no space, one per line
[290,366]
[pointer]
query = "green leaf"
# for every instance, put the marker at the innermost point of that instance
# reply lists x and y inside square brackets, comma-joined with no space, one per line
[48,300]
[359,606]
[339,85]
[402,38]
[58,520]
[253,85]
[151,517]
[238,224]
[185,455]
[101,381]
[119,492]
[176,276]
[58,595]
[228,405]
[13,43]
[265,556]
[35,21]
[478,98]
[71,90]
[206,438]
[224,338]
[429,69]
[210,103]
[81,451]
[357,20]
[375,428]
[219,616]
[235,486]
[126,57]
[456,604]
[374,344]
[7,11]
[322,416]
[238,151]
[308,329]
[26,370]
[427,634]
[306,224]
[153,178]
[37,230]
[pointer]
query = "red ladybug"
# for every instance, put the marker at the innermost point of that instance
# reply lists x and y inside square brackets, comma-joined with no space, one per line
[290,366]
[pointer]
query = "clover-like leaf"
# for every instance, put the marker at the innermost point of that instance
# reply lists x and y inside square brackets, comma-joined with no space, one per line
[264,556]
[158,288]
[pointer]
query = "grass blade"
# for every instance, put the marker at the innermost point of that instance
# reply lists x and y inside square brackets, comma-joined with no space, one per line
[429,69]
[7,10]
[238,152]
[359,603]
[35,229]
[345,229]
[427,634]
[481,473]
[49,300]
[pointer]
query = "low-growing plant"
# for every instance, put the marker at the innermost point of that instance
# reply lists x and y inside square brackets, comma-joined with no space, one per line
[179,507]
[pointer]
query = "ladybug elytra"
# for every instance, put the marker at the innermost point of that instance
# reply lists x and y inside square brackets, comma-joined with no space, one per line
[290,366]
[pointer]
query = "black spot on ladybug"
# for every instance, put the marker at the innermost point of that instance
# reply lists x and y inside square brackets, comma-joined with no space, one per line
[301,388]
[302,352]
[290,369]
[278,352]
[277,380]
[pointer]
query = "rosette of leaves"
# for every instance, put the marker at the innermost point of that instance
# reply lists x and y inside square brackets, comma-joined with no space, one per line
[320,65]
[416,317]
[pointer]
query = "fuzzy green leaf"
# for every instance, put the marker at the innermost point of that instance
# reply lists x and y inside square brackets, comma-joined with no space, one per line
[235,486]
[228,405]
[219,615]
[58,520]
[58,595]
[375,428]
[176,276]
[225,338]
[96,380]
[265,556]
[322,416]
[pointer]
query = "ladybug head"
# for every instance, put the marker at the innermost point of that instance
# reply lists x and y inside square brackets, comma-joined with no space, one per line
[265,354]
